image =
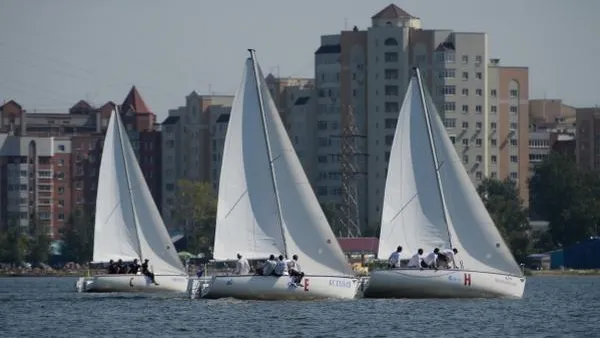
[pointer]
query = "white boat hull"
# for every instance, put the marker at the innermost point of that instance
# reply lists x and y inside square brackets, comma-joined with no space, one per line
[416,283]
[132,283]
[275,288]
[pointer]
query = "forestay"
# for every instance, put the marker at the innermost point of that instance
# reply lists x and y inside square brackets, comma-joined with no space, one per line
[413,214]
[247,217]
[115,233]
[128,224]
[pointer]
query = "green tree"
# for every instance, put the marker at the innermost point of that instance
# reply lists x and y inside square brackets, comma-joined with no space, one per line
[566,197]
[39,240]
[196,213]
[78,237]
[13,245]
[501,198]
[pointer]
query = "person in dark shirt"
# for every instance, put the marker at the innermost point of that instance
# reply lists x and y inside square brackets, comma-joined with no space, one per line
[112,267]
[134,267]
[147,272]
[122,267]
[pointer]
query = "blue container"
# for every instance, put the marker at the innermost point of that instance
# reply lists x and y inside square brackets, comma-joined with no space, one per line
[583,255]
[557,259]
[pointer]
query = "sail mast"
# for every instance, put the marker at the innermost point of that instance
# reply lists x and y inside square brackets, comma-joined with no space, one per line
[268,144]
[137,232]
[433,151]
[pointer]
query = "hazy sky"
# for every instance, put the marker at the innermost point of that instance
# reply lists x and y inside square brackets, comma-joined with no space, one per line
[53,53]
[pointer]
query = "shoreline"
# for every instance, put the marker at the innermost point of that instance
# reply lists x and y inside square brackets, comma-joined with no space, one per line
[566,272]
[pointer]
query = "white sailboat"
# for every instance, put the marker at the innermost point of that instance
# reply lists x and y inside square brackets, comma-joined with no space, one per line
[267,206]
[430,202]
[128,225]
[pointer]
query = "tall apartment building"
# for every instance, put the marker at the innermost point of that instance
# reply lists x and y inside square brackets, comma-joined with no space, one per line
[588,138]
[483,105]
[59,157]
[190,148]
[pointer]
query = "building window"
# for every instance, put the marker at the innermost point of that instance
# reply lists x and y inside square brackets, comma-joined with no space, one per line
[453,139]
[514,159]
[465,92]
[514,93]
[392,107]
[478,158]
[61,147]
[493,125]
[514,175]
[513,142]
[448,90]
[513,109]
[465,59]
[466,159]
[478,125]
[493,93]
[389,139]
[450,123]
[391,90]
[465,141]
[465,76]
[478,175]
[494,174]
[322,159]
[478,76]
[322,125]
[478,142]
[513,126]
[478,59]
[465,109]
[449,106]
[494,159]
[493,142]
[493,109]
[61,203]
[390,123]
[387,156]
[391,57]
[465,125]
[449,73]
[478,109]
[478,92]
[391,74]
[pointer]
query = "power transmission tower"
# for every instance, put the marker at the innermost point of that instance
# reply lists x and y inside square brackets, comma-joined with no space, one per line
[349,213]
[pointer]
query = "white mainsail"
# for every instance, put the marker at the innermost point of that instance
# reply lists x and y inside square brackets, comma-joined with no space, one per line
[420,213]
[264,210]
[128,224]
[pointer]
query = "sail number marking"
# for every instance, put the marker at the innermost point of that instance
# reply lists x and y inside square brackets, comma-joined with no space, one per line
[467,279]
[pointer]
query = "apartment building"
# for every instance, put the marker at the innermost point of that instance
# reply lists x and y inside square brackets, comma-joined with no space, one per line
[59,156]
[367,72]
[588,138]
[191,148]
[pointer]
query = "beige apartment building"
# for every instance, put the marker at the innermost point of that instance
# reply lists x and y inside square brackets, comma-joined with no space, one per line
[484,105]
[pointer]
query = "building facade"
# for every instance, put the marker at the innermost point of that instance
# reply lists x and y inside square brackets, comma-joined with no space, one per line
[55,158]
[483,105]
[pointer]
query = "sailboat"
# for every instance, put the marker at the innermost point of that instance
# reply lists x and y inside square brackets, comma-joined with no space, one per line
[128,225]
[267,206]
[430,202]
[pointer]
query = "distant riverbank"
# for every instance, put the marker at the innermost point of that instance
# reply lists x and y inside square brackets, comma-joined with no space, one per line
[47,273]
[559,272]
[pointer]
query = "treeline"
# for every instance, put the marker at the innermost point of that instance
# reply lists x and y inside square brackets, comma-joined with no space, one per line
[560,193]
[32,244]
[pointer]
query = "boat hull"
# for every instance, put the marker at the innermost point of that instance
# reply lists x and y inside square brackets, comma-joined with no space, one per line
[132,283]
[416,283]
[276,288]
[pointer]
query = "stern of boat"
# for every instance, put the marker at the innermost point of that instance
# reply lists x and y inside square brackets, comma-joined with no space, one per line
[199,286]
[84,284]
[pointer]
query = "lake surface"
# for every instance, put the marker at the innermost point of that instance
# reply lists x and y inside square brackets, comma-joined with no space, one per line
[49,307]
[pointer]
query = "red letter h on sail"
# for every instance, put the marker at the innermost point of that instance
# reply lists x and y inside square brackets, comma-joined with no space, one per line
[468,279]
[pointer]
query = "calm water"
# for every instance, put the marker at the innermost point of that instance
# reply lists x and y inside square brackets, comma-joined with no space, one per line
[50,307]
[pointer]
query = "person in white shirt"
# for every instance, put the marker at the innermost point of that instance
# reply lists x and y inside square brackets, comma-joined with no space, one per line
[295,270]
[242,267]
[416,261]
[394,260]
[268,266]
[281,268]
[446,257]
[431,259]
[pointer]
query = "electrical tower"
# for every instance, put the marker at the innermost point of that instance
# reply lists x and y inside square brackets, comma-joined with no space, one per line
[348,214]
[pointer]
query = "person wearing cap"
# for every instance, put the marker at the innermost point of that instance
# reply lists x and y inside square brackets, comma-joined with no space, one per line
[242,267]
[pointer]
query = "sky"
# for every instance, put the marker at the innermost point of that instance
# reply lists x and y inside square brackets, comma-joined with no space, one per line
[54,53]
